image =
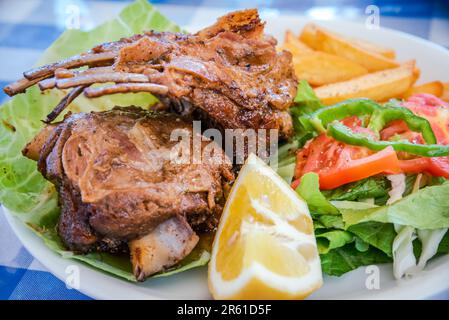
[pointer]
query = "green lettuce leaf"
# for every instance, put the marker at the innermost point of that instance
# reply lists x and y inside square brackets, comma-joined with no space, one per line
[444,244]
[286,172]
[23,190]
[330,221]
[427,208]
[330,240]
[309,190]
[284,161]
[361,245]
[373,187]
[344,259]
[377,234]
[306,100]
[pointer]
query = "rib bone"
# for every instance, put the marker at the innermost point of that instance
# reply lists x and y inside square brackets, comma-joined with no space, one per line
[20,86]
[89,59]
[162,248]
[100,78]
[64,103]
[62,73]
[125,88]
[47,84]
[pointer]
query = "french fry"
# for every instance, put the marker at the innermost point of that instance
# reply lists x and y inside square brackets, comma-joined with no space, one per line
[386,52]
[445,95]
[323,40]
[379,86]
[435,87]
[320,68]
[309,36]
[295,46]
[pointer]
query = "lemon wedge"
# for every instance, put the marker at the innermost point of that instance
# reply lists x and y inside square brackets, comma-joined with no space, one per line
[265,246]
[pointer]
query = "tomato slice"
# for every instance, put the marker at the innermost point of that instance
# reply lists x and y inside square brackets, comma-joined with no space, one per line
[393,128]
[439,166]
[384,161]
[295,183]
[435,110]
[417,165]
[337,163]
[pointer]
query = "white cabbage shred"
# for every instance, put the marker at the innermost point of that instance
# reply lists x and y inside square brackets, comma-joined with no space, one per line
[397,187]
[430,240]
[404,260]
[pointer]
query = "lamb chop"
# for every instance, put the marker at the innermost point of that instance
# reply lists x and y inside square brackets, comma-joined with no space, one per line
[229,74]
[120,183]
[116,187]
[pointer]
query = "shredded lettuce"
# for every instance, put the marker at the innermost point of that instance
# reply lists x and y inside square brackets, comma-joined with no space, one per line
[404,260]
[398,187]
[430,240]
[427,208]
[22,188]
[355,223]
[406,214]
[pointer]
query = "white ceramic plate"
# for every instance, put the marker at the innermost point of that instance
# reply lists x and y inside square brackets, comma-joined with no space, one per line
[432,60]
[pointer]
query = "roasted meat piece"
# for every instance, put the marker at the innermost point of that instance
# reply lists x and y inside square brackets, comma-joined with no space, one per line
[229,73]
[129,176]
[118,185]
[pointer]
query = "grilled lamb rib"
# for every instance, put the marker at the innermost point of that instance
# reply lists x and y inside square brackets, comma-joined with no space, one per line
[229,73]
[115,185]
[118,183]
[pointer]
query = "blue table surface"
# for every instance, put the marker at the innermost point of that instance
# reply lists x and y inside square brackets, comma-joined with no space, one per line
[27,27]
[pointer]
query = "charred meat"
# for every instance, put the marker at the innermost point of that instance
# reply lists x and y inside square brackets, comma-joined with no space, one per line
[119,186]
[121,180]
[229,73]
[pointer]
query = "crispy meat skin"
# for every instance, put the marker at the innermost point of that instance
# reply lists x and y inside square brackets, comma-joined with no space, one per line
[230,71]
[117,182]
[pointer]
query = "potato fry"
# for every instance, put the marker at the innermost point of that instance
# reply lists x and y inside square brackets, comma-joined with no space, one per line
[295,46]
[320,68]
[386,52]
[323,40]
[295,49]
[435,87]
[445,95]
[379,86]
[416,74]
[309,36]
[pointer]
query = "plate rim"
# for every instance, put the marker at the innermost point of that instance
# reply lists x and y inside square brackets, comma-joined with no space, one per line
[45,256]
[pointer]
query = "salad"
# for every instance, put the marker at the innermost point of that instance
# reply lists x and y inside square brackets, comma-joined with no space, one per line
[374,177]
